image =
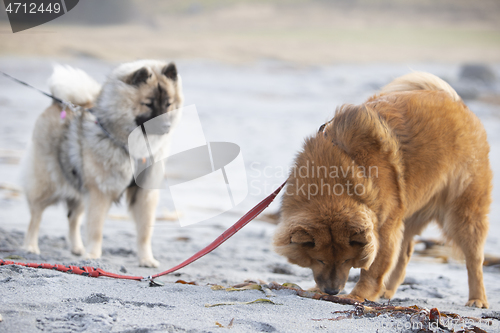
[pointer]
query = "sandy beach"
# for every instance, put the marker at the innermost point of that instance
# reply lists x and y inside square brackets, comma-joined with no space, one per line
[292,102]
[264,84]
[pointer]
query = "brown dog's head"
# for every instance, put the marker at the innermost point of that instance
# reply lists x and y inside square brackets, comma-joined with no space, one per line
[326,223]
[329,247]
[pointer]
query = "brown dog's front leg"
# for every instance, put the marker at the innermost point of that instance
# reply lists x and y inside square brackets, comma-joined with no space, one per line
[371,280]
[369,286]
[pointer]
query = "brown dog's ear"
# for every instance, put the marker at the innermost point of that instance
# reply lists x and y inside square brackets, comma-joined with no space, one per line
[300,236]
[139,76]
[368,246]
[359,238]
[170,71]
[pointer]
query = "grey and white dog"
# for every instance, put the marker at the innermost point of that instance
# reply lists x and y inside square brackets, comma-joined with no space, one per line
[83,160]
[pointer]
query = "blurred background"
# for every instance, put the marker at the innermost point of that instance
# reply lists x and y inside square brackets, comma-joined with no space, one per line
[305,32]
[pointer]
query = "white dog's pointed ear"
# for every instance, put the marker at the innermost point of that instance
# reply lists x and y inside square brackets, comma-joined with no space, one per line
[170,71]
[139,76]
[299,235]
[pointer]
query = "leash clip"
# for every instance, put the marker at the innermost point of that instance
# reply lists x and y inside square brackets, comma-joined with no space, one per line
[67,106]
[152,282]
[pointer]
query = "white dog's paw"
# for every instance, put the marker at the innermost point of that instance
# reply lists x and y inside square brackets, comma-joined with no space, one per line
[92,255]
[78,250]
[31,248]
[149,262]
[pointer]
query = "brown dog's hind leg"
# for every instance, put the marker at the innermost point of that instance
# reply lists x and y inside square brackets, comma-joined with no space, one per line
[477,292]
[471,242]
[466,224]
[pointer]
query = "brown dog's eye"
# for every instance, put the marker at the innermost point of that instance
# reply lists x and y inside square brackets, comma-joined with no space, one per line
[321,262]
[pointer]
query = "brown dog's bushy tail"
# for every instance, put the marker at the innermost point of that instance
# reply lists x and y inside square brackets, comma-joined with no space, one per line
[420,81]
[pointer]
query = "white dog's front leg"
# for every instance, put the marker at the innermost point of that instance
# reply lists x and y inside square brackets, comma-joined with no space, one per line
[142,205]
[97,207]
[31,236]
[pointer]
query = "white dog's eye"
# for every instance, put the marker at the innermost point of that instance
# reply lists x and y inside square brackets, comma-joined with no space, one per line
[149,105]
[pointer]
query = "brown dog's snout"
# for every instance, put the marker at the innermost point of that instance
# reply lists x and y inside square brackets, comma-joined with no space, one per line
[331,291]
[332,279]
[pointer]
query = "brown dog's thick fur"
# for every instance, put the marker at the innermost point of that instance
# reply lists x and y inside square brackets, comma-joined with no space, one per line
[375,175]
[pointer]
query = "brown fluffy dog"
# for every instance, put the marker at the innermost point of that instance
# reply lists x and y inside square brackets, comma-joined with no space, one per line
[376,175]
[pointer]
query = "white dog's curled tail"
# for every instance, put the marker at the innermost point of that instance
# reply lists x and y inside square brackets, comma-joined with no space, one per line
[73,85]
[420,81]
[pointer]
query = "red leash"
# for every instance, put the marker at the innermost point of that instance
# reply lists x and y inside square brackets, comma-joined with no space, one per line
[96,272]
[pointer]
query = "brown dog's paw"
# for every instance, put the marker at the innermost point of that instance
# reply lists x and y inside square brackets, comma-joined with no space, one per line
[315,290]
[478,303]
[388,294]
[354,297]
